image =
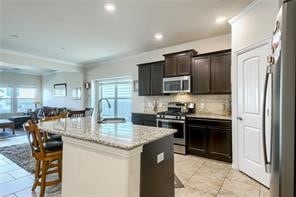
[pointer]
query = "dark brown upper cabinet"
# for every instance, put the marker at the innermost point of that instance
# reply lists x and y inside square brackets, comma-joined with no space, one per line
[150,78]
[211,73]
[178,64]
[201,75]
[221,73]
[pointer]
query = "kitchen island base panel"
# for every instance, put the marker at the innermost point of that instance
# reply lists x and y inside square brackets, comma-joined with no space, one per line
[91,169]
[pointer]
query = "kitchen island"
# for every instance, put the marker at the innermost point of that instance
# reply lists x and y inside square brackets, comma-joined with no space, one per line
[114,159]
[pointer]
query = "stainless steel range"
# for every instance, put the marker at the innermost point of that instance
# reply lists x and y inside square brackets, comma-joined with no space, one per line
[174,118]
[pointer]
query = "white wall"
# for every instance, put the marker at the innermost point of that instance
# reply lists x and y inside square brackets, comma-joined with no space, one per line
[73,80]
[254,24]
[31,62]
[127,66]
[18,79]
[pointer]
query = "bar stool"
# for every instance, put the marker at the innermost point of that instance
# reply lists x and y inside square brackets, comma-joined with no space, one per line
[48,157]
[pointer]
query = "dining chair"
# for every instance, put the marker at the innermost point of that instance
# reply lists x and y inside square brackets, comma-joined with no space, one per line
[89,111]
[76,114]
[48,157]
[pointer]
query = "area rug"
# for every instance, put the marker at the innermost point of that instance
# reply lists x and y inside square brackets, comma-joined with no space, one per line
[21,155]
[8,133]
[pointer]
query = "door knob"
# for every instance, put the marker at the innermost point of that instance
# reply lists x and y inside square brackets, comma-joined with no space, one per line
[239,118]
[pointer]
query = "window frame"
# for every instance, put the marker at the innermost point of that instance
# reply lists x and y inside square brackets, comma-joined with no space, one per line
[14,96]
[16,99]
[11,98]
[115,82]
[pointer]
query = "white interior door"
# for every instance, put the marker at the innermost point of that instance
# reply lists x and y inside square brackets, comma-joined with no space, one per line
[251,73]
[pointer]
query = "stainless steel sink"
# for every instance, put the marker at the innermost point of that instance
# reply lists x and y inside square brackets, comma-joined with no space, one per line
[112,120]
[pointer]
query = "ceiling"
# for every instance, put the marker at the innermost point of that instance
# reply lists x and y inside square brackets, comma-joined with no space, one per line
[81,31]
[4,67]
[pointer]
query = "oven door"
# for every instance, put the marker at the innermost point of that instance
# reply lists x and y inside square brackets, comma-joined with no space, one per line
[179,136]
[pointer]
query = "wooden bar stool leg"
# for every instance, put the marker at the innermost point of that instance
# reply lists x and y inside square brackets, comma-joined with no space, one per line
[43,177]
[37,173]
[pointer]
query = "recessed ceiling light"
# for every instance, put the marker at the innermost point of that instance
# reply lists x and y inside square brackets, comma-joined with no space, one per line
[220,19]
[109,7]
[158,36]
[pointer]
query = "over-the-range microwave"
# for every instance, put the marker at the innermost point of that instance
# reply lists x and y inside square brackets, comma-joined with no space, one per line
[176,84]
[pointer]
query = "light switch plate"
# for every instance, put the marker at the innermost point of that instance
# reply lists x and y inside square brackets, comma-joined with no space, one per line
[160,157]
[202,105]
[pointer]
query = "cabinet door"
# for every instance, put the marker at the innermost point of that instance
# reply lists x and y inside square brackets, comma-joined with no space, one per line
[170,69]
[144,80]
[156,78]
[197,143]
[183,62]
[219,143]
[221,73]
[201,75]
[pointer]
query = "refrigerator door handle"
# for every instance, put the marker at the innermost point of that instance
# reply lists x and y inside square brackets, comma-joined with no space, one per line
[268,76]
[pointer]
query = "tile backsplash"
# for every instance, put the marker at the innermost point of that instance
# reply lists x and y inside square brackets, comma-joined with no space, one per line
[212,104]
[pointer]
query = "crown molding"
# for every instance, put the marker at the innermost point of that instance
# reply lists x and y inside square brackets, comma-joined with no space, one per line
[243,11]
[39,57]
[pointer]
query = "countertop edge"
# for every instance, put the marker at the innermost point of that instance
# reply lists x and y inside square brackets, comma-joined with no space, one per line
[119,146]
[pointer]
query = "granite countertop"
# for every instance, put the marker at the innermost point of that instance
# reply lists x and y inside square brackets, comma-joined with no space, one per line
[119,135]
[210,116]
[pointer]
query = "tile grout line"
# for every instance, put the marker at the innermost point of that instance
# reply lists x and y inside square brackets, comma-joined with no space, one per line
[194,172]
[223,181]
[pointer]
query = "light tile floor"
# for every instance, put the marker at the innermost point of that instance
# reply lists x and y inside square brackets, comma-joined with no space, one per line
[201,177]
[13,140]
[205,177]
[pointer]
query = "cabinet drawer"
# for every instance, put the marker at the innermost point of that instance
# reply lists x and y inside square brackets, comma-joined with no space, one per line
[210,122]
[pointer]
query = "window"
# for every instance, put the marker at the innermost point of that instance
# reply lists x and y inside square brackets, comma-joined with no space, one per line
[119,94]
[5,99]
[17,99]
[25,99]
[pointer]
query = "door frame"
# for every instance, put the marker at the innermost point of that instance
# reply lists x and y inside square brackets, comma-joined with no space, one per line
[234,90]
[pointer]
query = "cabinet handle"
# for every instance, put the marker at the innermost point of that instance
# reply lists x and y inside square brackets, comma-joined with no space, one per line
[240,118]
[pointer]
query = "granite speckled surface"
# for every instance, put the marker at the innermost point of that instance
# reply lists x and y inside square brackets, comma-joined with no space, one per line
[210,116]
[119,135]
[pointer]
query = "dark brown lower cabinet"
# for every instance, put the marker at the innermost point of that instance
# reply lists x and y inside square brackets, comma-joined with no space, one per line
[144,119]
[210,138]
[197,139]
[157,179]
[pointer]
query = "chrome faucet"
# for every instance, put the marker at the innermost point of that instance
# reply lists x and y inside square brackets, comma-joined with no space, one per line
[100,119]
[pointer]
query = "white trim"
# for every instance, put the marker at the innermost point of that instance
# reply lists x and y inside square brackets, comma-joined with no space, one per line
[39,57]
[243,11]
[103,148]
[234,79]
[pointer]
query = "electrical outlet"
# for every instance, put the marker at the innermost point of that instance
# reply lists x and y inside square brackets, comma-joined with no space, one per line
[202,106]
[160,157]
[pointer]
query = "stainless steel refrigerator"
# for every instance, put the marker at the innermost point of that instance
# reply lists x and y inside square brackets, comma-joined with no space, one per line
[279,151]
